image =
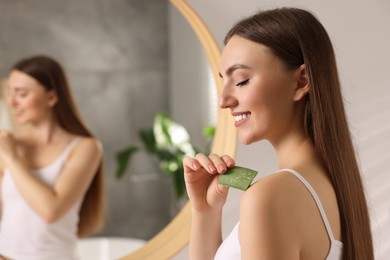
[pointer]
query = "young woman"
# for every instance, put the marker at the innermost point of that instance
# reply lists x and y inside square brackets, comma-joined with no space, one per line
[50,168]
[281,84]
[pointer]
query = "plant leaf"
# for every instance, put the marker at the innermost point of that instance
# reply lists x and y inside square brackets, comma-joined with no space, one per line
[209,131]
[179,184]
[147,138]
[171,135]
[123,157]
[160,130]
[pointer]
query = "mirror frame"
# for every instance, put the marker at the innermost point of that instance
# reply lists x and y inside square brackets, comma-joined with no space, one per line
[175,236]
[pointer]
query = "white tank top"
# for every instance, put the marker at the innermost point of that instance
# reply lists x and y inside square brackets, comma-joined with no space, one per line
[23,233]
[230,247]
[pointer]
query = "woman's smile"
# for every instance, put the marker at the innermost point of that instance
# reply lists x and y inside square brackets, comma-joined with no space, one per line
[240,118]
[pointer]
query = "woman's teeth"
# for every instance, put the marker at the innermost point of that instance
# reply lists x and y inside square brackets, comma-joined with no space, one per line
[241,117]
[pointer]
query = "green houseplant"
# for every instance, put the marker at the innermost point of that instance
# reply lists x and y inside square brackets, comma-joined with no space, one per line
[169,141]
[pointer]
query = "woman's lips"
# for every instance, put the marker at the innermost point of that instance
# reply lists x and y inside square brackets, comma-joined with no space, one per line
[241,118]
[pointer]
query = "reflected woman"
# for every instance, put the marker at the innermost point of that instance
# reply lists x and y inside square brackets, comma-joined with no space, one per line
[280,82]
[50,168]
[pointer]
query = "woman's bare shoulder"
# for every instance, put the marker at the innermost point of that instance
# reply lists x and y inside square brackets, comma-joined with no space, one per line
[89,145]
[270,215]
[274,198]
[274,190]
[88,140]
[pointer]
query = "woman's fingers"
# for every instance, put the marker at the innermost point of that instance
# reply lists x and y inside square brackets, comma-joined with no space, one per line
[202,180]
[229,161]
[190,164]
[218,162]
[214,163]
[206,163]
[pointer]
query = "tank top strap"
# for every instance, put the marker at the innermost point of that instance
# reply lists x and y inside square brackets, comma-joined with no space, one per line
[316,199]
[70,146]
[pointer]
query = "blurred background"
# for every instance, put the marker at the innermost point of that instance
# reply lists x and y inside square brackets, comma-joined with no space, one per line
[129,59]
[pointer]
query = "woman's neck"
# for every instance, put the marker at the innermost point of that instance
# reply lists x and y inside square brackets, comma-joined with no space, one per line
[44,132]
[294,148]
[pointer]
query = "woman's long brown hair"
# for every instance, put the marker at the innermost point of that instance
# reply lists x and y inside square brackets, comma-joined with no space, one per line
[296,37]
[51,76]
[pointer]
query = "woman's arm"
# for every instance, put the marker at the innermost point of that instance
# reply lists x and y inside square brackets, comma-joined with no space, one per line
[207,198]
[51,203]
[206,235]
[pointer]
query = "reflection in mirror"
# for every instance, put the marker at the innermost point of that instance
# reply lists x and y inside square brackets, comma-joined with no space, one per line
[118,73]
[121,76]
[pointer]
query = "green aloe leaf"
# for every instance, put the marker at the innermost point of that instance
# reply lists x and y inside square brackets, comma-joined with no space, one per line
[237,177]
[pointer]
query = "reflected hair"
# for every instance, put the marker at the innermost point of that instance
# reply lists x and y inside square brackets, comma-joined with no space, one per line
[296,37]
[51,76]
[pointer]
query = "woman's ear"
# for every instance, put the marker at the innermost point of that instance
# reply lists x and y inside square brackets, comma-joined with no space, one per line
[53,98]
[303,83]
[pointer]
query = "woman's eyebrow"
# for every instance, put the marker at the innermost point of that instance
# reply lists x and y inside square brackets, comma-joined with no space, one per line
[234,67]
[20,88]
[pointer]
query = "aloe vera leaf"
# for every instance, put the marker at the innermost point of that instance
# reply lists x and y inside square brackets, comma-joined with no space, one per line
[237,177]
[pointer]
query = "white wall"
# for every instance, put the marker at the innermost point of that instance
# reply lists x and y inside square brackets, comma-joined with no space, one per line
[360,31]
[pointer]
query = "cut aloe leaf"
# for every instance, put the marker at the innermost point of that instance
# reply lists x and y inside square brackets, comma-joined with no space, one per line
[237,177]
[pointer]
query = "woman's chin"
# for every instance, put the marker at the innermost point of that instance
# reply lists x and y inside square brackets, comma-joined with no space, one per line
[248,139]
[245,140]
[22,121]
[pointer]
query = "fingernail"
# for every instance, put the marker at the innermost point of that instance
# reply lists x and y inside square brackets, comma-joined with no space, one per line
[195,166]
[222,168]
[212,168]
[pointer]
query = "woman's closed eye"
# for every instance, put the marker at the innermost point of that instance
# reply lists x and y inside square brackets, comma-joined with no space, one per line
[242,83]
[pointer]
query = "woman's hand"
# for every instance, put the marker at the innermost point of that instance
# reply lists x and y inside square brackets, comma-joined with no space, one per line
[201,177]
[7,146]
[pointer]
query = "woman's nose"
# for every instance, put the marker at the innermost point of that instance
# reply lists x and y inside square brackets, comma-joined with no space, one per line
[12,101]
[227,99]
